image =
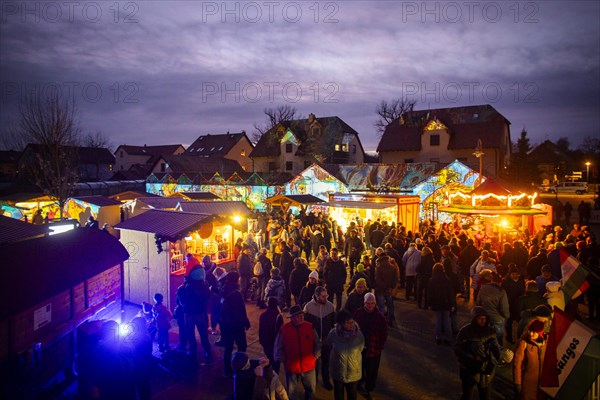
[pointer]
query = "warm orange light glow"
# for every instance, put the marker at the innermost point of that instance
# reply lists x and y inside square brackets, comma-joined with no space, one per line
[509,199]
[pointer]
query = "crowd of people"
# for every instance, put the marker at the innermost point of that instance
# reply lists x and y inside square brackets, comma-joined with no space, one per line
[338,289]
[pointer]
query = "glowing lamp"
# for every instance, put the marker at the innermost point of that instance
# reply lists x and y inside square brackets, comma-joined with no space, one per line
[237,218]
[504,223]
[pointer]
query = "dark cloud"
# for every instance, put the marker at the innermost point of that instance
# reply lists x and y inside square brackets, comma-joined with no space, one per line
[170,71]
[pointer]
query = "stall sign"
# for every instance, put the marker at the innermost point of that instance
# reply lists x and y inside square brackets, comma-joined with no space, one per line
[42,316]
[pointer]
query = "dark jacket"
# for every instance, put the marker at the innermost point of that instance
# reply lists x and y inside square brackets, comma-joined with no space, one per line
[307,292]
[266,266]
[514,290]
[354,301]
[245,265]
[356,277]
[298,279]
[335,275]
[440,294]
[467,257]
[535,264]
[233,313]
[477,349]
[193,296]
[387,274]
[269,323]
[321,316]
[425,267]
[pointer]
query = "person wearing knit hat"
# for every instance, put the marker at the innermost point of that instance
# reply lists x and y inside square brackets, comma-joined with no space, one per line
[355,299]
[360,267]
[528,361]
[198,273]
[477,347]
[545,277]
[373,325]
[360,274]
[308,290]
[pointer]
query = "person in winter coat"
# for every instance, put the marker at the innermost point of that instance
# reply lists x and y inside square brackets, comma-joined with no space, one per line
[411,259]
[423,275]
[535,264]
[356,297]
[387,275]
[554,295]
[483,262]
[316,241]
[307,292]
[269,323]
[360,273]
[234,320]
[286,265]
[478,352]
[335,277]
[373,325]
[494,300]
[528,361]
[514,285]
[441,299]
[345,366]
[162,319]
[353,249]
[254,378]
[545,277]
[263,278]
[467,257]
[322,257]
[275,288]
[321,314]
[194,297]
[298,278]
[245,268]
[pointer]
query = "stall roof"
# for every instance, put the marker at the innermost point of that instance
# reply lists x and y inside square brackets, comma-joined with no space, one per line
[130,195]
[160,202]
[14,230]
[294,199]
[491,211]
[215,208]
[360,204]
[99,201]
[201,195]
[169,224]
[58,263]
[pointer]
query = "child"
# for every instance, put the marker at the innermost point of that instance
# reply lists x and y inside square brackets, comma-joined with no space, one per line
[162,319]
[276,288]
[360,273]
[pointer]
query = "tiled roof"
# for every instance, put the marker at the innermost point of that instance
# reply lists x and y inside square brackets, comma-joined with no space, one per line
[215,207]
[296,198]
[99,201]
[332,131]
[168,224]
[201,195]
[548,152]
[189,164]
[215,145]
[149,150]
[39,269]
[130,195]
[466,126]
[14,230]
[87,155]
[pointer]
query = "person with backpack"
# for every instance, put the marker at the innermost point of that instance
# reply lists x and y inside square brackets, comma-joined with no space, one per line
[275,288]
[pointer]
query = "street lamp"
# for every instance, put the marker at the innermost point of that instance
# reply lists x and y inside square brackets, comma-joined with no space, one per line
[587,171]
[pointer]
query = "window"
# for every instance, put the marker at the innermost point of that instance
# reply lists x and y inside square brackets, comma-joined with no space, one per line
[409,160]
[220,148]
[212,149]
[434,140]
[200,149]
[289,165]
[337,147]
[243,153]
[288,148]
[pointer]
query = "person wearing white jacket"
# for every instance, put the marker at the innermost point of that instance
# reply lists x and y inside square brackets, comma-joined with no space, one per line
[483,262]
[411,259]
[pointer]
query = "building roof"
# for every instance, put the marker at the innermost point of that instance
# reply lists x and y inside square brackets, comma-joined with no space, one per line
[491,186]
[215,145]
[333,130]
[130,195]
[59,262]
[215,208]
[286,200]
[87,155]
[465,124]
[149,150]
[170,225]
[14,230]
[548,153]
[99,201]
[190,164]
[373,176]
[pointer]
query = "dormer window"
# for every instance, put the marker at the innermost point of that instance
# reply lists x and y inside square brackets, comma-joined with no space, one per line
[212,149]
[191,149]
[289,148]
[220,148]
[200,149]
[316,131]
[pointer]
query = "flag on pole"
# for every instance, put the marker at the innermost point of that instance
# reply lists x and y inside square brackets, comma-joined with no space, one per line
[572,360]
[574,276]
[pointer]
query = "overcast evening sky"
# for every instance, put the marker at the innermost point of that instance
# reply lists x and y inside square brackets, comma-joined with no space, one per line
[162,72]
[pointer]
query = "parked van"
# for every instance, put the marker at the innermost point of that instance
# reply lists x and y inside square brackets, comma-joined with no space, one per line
[569,187]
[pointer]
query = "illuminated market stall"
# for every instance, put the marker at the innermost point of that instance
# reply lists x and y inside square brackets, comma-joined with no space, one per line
[102,209]
[158,240]
[493,213]
[295,201]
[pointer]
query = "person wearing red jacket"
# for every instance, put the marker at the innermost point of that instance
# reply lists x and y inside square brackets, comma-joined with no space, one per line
[298,346]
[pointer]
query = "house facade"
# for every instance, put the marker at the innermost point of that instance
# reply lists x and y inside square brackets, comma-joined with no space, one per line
[127,156]
[447,134]
[231,146]
[293,146]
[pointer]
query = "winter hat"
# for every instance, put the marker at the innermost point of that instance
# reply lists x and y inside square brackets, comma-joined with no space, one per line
[542,310]
[478,311]
[531,287]
[536,326]
[361,281]
[360,267]
[314,274]
[233,277]
[513,269]
[369,297]
[296,310]
[197,273]
[486,274]
[275,272]
[546,268]
[240,361]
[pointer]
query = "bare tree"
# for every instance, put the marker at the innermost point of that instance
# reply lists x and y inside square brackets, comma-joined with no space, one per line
[50,126]
[389,112]
[97,140]
[282,113]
